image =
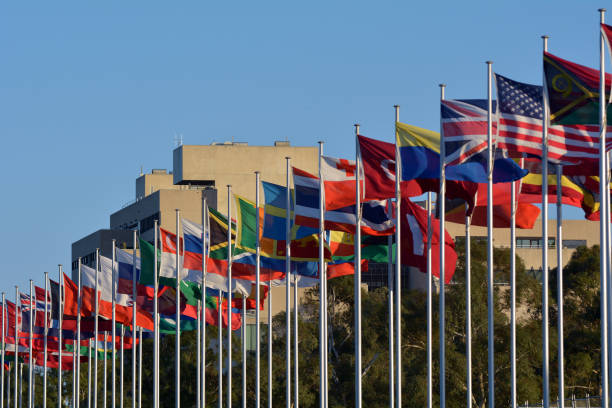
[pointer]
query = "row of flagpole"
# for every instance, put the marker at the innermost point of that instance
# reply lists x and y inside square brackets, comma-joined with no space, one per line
[395,344]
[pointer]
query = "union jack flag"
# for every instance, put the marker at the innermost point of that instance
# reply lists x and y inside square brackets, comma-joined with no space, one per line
[464,128]
[520,127]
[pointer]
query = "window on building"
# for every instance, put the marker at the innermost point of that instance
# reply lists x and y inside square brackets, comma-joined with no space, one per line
[574,243]
[148,222]
[533,243]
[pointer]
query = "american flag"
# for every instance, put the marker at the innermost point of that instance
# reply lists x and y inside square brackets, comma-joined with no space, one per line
[464,129]
[520,127]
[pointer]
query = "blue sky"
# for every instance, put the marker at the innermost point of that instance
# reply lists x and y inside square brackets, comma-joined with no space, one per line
[92,92]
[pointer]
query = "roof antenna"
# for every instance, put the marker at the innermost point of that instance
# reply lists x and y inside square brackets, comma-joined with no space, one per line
[141,170]
[178,139]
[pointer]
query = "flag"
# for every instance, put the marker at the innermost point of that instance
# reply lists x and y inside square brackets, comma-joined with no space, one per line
[572,91]
[375,220]
[419,151]
[304,240]
[123,302]
[520,127]
[414,241]
[339,178]
[378,161]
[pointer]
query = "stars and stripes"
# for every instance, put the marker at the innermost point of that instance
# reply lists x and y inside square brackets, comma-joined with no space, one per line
[520,127]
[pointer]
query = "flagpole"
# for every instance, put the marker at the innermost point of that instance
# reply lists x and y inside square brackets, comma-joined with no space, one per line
[441,298]
[199,350]
[322,292]
[490,276]
[202,400]
[8,385]
[429,308]
[288,287]
[114,322]
[89,374]
[398,275]
[120,367]
[468,306]
[390,285]
[560,288]
[30,360]
[134,306]
[603,191]
[244,351]
[97,311]
[177,345]
[61,323]
[4,346]
[229,295]
[105,389]
[269,345]
[155,320]
[513,401]
[220,341]
[79,309]
[257,296]
[296,378]
[45,338]
[357,276]
[16,341]
[140,365]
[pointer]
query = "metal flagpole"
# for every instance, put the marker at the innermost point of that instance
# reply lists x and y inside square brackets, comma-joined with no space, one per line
[560,287]
[30,359]
[390,285]
[104,387]
[398,275]
[468,306]
[220,341]
[155,320]
[61,322]
[202,401]
[296,378]
[229,295]
[46,334]
[199,350]
[114,322]
[244,350]
[513,402]
[4,346]
[177,344]
[79,308]
[134,306]
[429,308]
[442,294]
[89,374]
[20,384]
[288,287]
[97,311]
[269,345]
[357,276]
[17,340]
[257,297]
[490,277]
[140,367]
[322,292]
[545,347]
[8,389]
[603,191]
[121,366]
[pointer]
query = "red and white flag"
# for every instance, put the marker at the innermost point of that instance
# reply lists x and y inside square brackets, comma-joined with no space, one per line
[339,181]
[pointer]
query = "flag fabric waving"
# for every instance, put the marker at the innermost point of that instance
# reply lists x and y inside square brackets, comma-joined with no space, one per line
[339,182]
[419,151]
[572,91]
[375,220]
[520,127]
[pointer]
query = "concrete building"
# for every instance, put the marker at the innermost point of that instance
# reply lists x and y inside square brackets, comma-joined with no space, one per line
[197,171]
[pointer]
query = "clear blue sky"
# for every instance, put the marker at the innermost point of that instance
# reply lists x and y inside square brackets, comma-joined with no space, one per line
[92,92]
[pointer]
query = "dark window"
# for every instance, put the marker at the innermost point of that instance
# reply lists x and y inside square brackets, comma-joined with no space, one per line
[148,222]
[574,243]
[533,243]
